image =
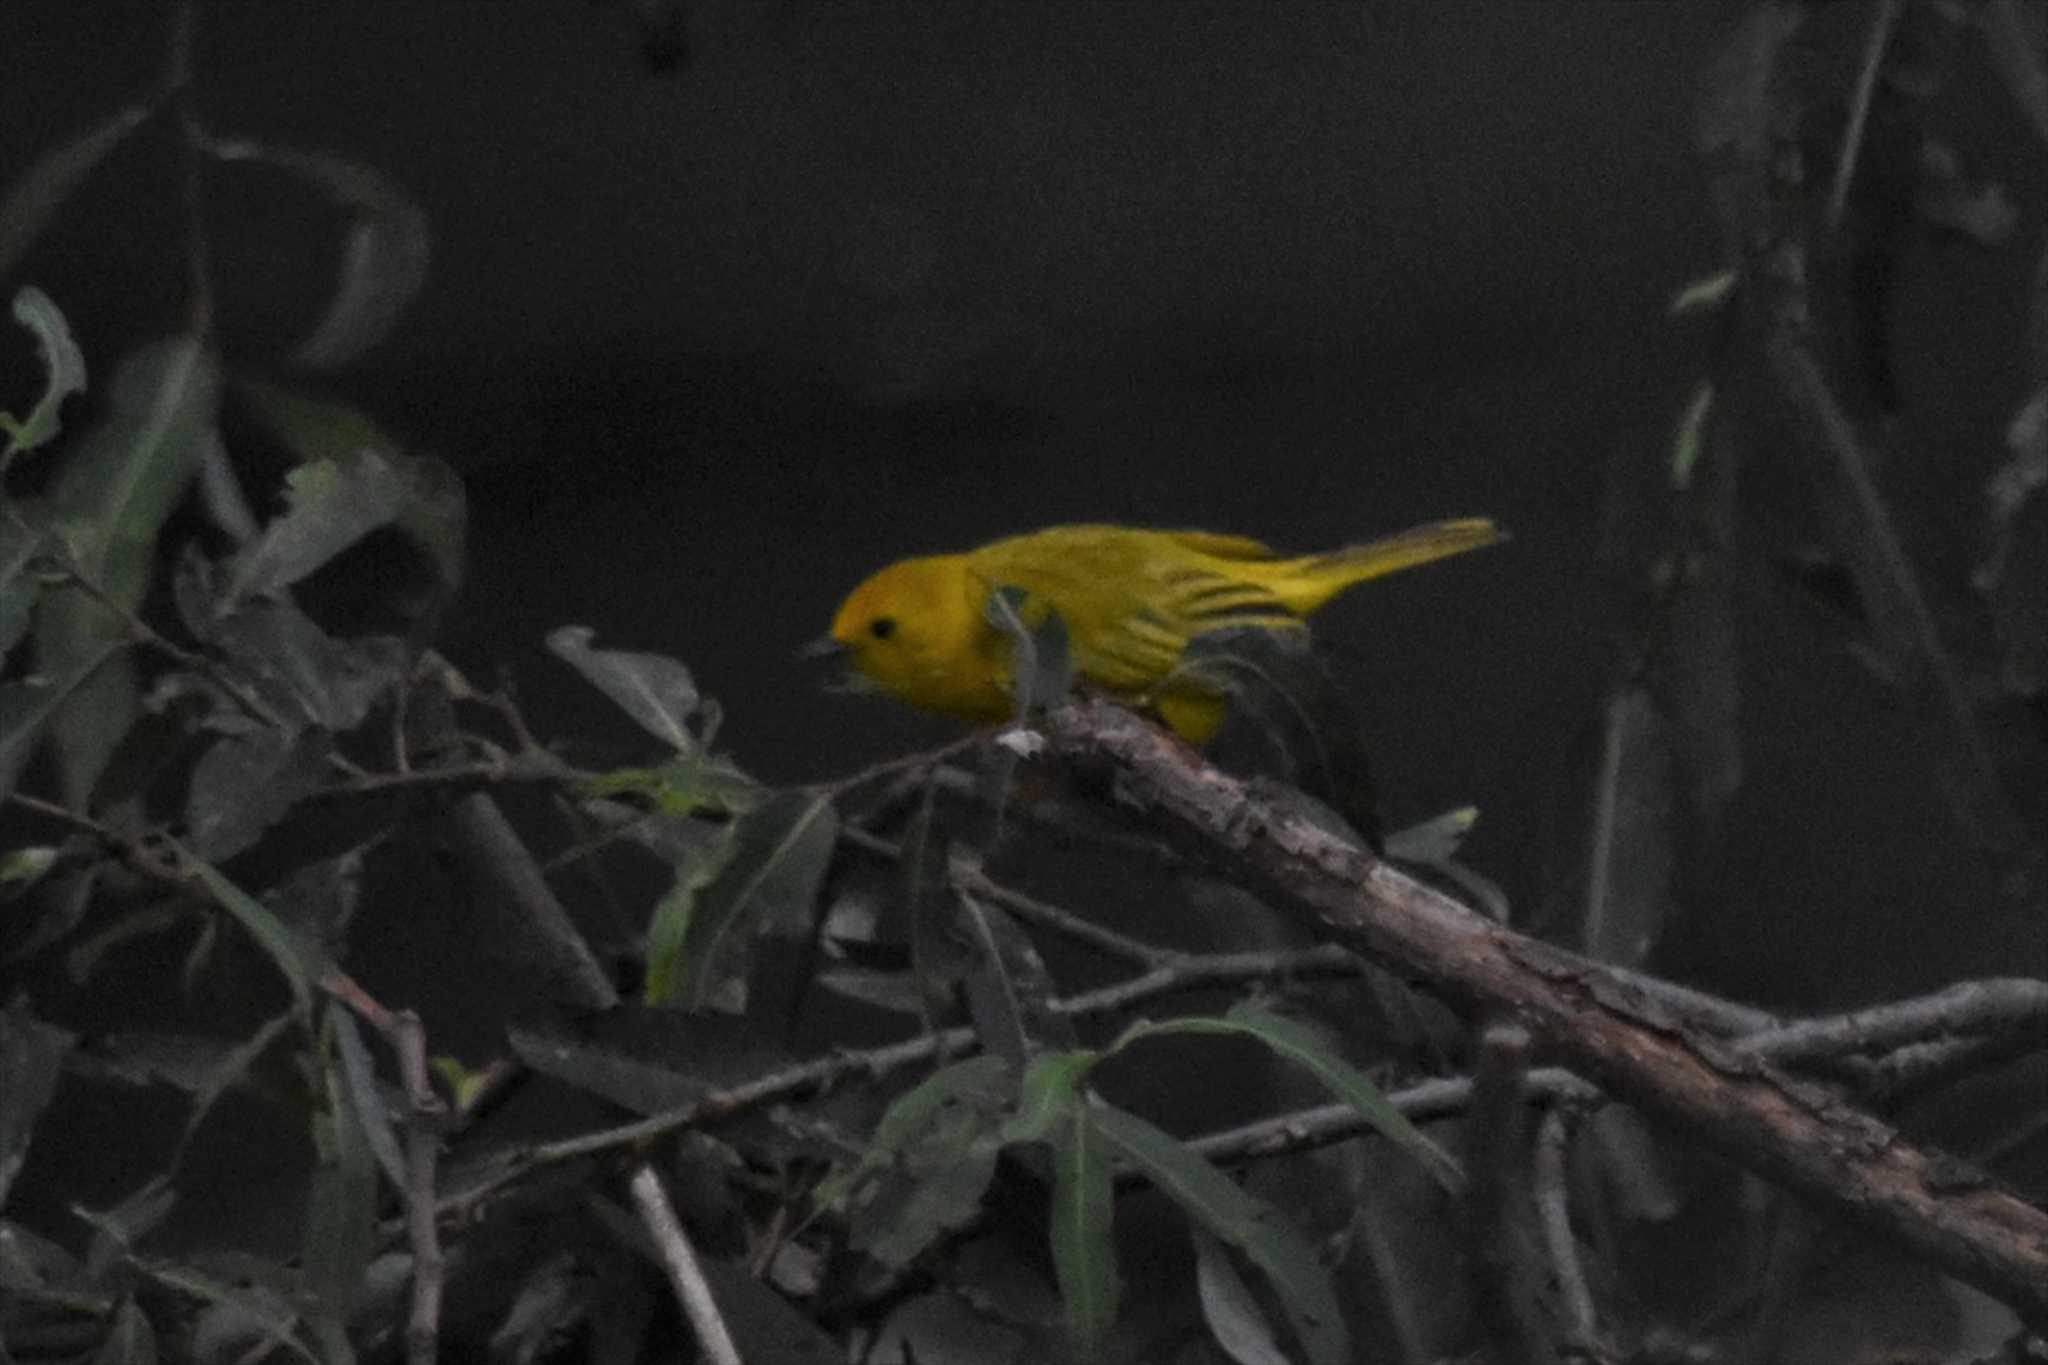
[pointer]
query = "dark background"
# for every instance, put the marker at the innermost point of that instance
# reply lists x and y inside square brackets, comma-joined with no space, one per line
[858,281]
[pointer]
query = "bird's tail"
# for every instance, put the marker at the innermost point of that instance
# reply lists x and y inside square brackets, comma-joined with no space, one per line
[1307,583]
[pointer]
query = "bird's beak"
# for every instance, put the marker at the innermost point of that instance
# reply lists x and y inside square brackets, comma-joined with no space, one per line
[824,647]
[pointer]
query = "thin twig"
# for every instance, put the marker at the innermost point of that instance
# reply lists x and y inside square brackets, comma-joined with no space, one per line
[1554,1214]
[424,1111]
[2010,1006]
[820,1072]
[679,1259]
[1494,1165]
[975,882]
[1423,1102]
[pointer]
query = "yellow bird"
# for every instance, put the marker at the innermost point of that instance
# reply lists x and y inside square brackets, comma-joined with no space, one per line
[1132,601]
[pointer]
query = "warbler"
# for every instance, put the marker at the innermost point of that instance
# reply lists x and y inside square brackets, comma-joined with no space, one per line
[1132,601]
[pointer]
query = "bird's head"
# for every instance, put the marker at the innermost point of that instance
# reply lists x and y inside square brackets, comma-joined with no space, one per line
[911,629]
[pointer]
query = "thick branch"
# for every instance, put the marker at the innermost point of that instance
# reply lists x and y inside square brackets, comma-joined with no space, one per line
[1801,1135]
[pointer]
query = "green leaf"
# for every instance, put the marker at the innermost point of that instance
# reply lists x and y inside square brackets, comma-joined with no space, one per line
[1703,294]
[31,1055]
[1299,1044]
[230,1068]
[1083,1248]
[929,1162]
[433,515]
[42,190]
[1051,1088]
[297,960]
[331,504]
[22,868]
[1042,662]
[115,1231]
[341,1210]
[668,931]
[940,957]
[1235,1319]
[656,691]
[1243,1220]
[1436,840]
[110,499]
[647,1059]
[63,362]
[130,1340]
[1690,440]
[778,861]
[26,707]
[238,1323]
[366,1101]
[245,783]
[303,674]
[688,785]
[384,260]
[1009,991]
[21,550]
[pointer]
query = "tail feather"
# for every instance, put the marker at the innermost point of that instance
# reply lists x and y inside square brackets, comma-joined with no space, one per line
[1306,584]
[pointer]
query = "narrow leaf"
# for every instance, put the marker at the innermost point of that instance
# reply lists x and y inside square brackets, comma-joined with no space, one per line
[31,1055]
[63,363]
[656,691]
[109,501]
[778,862]
[1243,1220]
[21,544]
[384,262]
[341,1210]
[42,190]
[2012,485]
[669,929]
[297,960]
[433,516]
[1050,1089]
[1631,856]
[1690,438]
[1041,656]
[247,782]
[1083,1247]
[648,1060]
[2013,40]
[229,1068]
[366,1101]
[332,505]
[1296,1043]
[27,706]
[115,1231]
[1235,1319]
[940,959]
[303,673]
[130,1340]
[929,1162]
[1009,991]
[1705,294]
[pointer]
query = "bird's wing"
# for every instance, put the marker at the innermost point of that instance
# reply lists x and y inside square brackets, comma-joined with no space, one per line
[1132,600]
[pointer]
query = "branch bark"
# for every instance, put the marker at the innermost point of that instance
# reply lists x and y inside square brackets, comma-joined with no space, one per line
[1803,1136]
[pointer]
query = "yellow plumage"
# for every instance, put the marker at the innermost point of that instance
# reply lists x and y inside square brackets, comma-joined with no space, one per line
[1132,600]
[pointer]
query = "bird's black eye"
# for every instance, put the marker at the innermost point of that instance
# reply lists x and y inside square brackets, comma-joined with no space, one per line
[883,627]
